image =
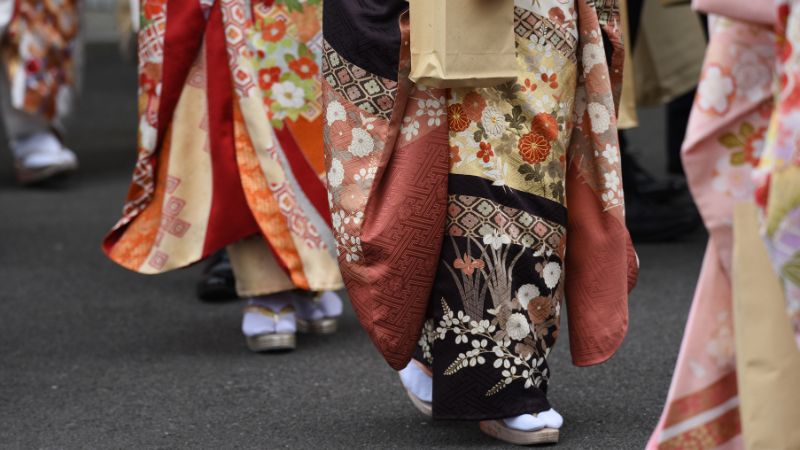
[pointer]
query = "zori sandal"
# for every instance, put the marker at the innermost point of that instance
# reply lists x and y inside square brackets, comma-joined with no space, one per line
[319,315]
[498,429]
[419,387]
[266,329]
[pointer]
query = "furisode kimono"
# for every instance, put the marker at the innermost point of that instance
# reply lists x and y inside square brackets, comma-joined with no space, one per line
[229,139]
[735,382]
[456,200]
[778,176]
[38,53]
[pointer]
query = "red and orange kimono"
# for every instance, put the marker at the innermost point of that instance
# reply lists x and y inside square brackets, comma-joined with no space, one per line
[229,141]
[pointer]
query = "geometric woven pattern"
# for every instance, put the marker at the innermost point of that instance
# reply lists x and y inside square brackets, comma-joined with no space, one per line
[529,24]
[475,217]
[368,92]
[606,10]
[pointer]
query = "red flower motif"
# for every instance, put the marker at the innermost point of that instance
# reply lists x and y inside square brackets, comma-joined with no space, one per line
[752,154]
[486,152]
[268,77]
[790,99]
[539,309]
[304,67]
[529,86]
[274,31]
[456,117]
[556,15]
[468,265]
[455,155]
[153,8]
[551,79]
[32,66]
[762,193]
[534,148]
[546,125]
[147,84]
[474,105]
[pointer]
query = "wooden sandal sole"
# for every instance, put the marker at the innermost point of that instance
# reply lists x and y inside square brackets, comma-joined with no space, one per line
[322,326]
[271,342]
[498,430]
[423,406]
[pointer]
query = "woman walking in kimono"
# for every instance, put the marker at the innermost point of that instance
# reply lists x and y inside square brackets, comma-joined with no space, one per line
[735,382]
[450,208]
[230,153]
[39,52]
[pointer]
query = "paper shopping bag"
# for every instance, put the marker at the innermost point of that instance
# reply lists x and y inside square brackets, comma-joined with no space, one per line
[462,43]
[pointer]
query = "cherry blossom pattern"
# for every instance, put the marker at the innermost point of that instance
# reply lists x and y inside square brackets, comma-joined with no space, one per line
[716,90]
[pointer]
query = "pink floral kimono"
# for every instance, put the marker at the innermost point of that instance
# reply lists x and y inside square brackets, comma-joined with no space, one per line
[778,175]
[725,381]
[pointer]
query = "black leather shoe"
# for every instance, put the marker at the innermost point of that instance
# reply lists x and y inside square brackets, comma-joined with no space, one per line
[217,284]
[660,221]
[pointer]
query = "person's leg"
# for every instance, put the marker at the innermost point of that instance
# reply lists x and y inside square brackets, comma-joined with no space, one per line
[38,153]
[217,283]
[275,306]
[34,139]
[678,111]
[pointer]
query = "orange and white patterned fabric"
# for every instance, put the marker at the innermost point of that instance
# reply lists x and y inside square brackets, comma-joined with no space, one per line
[38,47]
[230,139]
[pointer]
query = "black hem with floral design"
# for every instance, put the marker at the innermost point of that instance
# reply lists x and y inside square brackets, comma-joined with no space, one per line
[495,303]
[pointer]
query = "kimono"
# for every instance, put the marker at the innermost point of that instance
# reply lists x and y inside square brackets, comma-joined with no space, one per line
[39,52]
[779,171]
[735,378]
[229,141]
[456,200]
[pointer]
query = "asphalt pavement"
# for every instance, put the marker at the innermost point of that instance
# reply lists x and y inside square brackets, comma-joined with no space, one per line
[94,356]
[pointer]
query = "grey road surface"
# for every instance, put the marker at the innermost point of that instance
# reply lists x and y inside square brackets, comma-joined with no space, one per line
[94,356]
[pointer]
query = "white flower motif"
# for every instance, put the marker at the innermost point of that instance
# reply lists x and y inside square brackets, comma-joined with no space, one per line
[148,135]
[735,181]
[335,112]
[288,95]
[526,293]
[611,154]
[366,174]
[551,274]
[517,327]
[715,90]
[753,75]
[362,144]
[496,240]
[353,249]
[435,112]
[337,220]
[593,55]
[493,121]
[410,128]
[721,346]
[612,180]
[600,118]
[610,197]
[336,174]
[367,122]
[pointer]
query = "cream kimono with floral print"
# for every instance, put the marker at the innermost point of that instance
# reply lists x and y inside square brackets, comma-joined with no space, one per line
[516,155]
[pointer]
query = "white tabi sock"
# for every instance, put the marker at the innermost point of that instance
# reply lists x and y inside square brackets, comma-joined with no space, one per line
[255,323]
[535,422]
[417,382]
